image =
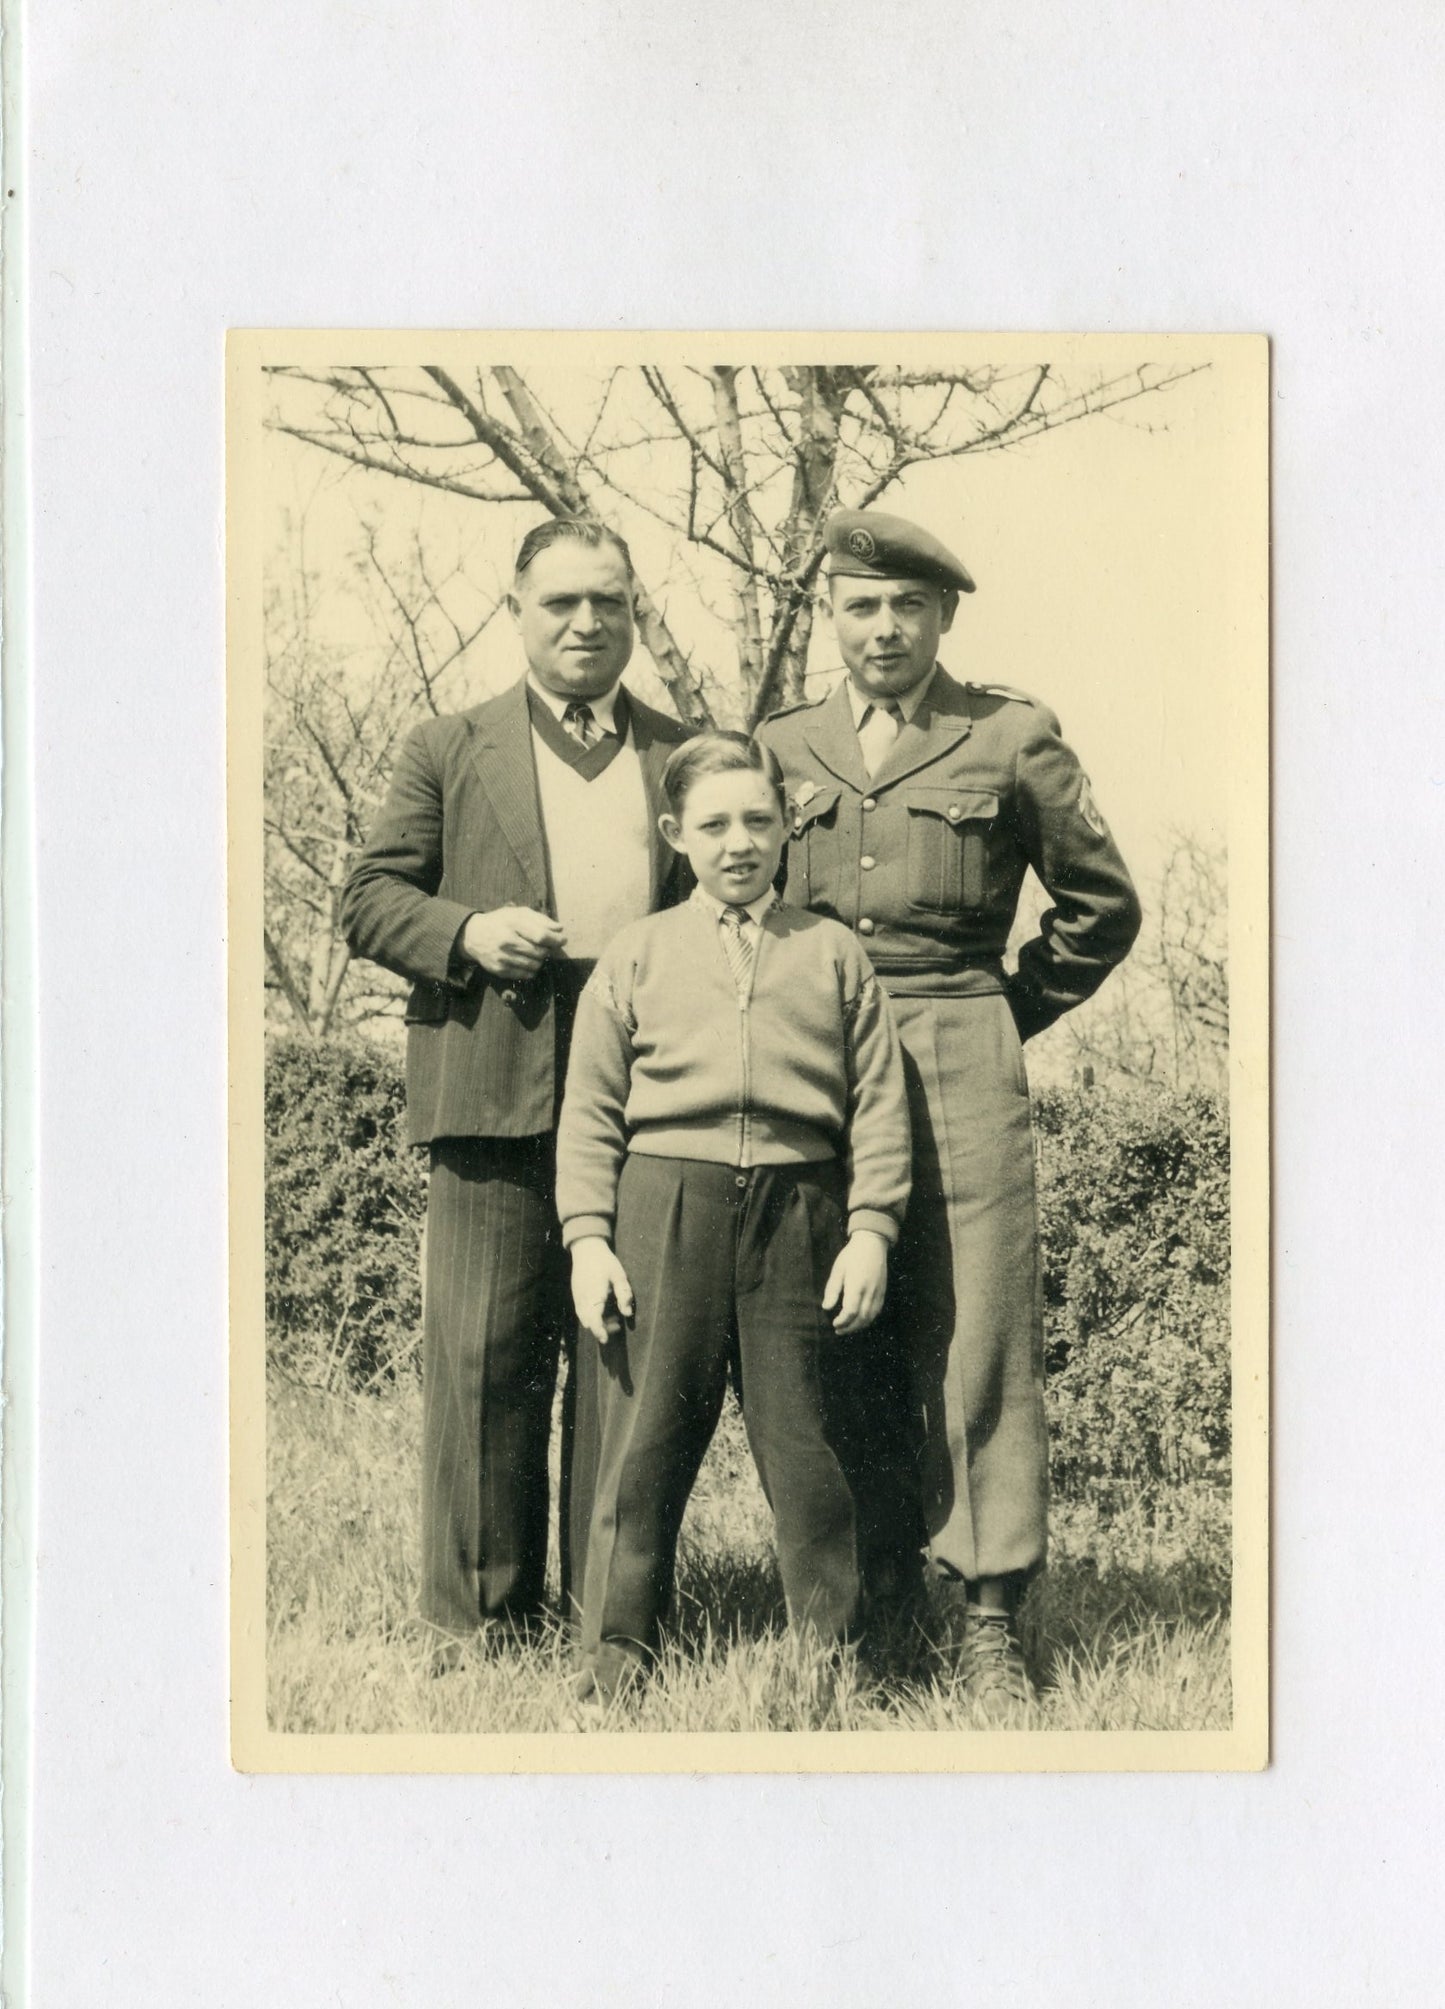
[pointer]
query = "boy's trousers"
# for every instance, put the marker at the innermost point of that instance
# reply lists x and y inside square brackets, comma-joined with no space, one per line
[728,1270]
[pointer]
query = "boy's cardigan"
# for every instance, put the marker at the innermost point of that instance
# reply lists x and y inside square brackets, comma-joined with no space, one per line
[669,1061]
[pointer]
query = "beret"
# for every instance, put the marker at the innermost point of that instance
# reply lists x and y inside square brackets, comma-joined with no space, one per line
[866,544]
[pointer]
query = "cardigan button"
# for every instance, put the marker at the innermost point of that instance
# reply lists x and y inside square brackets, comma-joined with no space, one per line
[865,926]
[867,863]
[870,802]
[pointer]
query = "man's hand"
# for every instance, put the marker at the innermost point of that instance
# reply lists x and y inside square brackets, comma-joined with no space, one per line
[857,1282]
[512,941]
[601,1294]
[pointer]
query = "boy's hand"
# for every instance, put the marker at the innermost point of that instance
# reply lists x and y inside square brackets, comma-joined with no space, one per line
[601,1294]
[857,1282]
[512,941]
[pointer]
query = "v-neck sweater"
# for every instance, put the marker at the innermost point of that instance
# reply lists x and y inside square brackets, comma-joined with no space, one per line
[599,845]
[670,1060]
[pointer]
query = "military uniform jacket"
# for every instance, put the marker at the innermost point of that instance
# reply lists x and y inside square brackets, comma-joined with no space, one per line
[926,858]
[460,833]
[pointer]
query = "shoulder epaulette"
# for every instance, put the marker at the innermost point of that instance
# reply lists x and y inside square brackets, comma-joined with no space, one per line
[803,705]
[1004,691]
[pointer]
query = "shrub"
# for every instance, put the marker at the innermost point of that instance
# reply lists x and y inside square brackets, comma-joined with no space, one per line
[1134,1214]
[345,1198]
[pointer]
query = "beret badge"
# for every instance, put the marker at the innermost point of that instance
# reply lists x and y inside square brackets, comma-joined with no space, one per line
[860,543]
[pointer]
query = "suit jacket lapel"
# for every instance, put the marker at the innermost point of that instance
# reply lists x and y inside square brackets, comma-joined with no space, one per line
[652,754]
[502,752]
[831,734]
[940,722]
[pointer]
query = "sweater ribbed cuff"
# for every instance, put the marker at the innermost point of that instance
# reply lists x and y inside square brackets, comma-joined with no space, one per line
[875,1222]
[582,1225]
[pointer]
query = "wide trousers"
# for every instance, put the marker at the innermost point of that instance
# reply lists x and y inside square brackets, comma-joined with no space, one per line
[728,1270]
[965,1309]
[496,1320]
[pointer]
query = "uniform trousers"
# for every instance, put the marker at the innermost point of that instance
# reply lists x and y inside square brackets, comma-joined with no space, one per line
[728,1270]
[940,1420]
[969,1296]
[496,1319]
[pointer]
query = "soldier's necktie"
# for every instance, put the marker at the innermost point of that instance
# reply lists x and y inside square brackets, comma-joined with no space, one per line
[737,934]
[877,731]
[581,721]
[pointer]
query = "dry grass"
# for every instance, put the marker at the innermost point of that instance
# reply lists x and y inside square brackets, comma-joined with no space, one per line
[1128,1630]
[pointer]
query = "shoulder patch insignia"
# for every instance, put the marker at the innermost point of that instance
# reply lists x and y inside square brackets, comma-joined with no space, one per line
[1089,809]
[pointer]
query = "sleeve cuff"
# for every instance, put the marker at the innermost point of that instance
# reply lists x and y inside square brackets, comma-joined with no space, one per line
[874,1221]
[582,1225]
[1032,1015]
[460,968]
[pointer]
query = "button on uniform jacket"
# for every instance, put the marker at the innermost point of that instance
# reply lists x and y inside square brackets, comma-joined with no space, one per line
[460,833]
[926,858]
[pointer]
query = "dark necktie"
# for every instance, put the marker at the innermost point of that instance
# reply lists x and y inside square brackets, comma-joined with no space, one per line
[580,720]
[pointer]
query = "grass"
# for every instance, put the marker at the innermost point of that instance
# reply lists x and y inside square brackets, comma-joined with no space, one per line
[1127,1630]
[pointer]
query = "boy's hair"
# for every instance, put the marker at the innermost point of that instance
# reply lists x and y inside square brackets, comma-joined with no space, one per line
[578,530]
[719,752]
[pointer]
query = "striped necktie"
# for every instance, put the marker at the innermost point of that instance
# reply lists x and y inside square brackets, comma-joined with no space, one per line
[739,946]
[878,729]
[581,721]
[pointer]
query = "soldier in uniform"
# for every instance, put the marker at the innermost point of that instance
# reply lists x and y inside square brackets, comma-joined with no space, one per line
[917,805]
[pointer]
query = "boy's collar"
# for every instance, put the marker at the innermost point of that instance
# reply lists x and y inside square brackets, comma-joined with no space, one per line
[711,905]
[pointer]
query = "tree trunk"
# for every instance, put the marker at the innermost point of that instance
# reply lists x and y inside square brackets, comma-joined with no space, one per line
[747,616]
[672,665]
[821,395]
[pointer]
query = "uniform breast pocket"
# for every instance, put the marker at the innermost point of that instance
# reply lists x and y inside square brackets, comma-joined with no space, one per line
[813,844]
[948,833]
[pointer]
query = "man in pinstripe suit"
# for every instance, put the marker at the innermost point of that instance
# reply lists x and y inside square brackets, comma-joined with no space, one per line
[516,839]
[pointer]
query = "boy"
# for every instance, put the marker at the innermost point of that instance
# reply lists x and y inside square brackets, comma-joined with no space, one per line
[733,1165]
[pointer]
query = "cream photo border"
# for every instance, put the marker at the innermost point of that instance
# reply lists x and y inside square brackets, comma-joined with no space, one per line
[1241,366]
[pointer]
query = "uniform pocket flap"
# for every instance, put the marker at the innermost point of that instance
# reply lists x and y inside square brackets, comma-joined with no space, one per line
[808,803]
[954,805]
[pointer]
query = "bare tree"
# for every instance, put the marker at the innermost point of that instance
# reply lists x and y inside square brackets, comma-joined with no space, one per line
[1164,1017]
[740,465]
[734,467]
[334,718]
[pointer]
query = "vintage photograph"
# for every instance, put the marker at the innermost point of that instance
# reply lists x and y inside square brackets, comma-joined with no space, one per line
[749,1050]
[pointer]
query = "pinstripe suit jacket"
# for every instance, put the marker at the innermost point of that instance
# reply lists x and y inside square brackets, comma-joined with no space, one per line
[461,832]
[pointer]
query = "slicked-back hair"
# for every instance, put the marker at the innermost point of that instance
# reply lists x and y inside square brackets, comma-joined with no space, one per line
[577,529]
[720,752]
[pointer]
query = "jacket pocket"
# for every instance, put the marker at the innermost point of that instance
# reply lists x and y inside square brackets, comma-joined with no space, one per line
[429,1004]
[813,843]
[948,833]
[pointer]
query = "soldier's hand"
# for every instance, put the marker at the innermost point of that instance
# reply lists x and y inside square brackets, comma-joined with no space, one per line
[601,1294]
[512,941]
[857,1282]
